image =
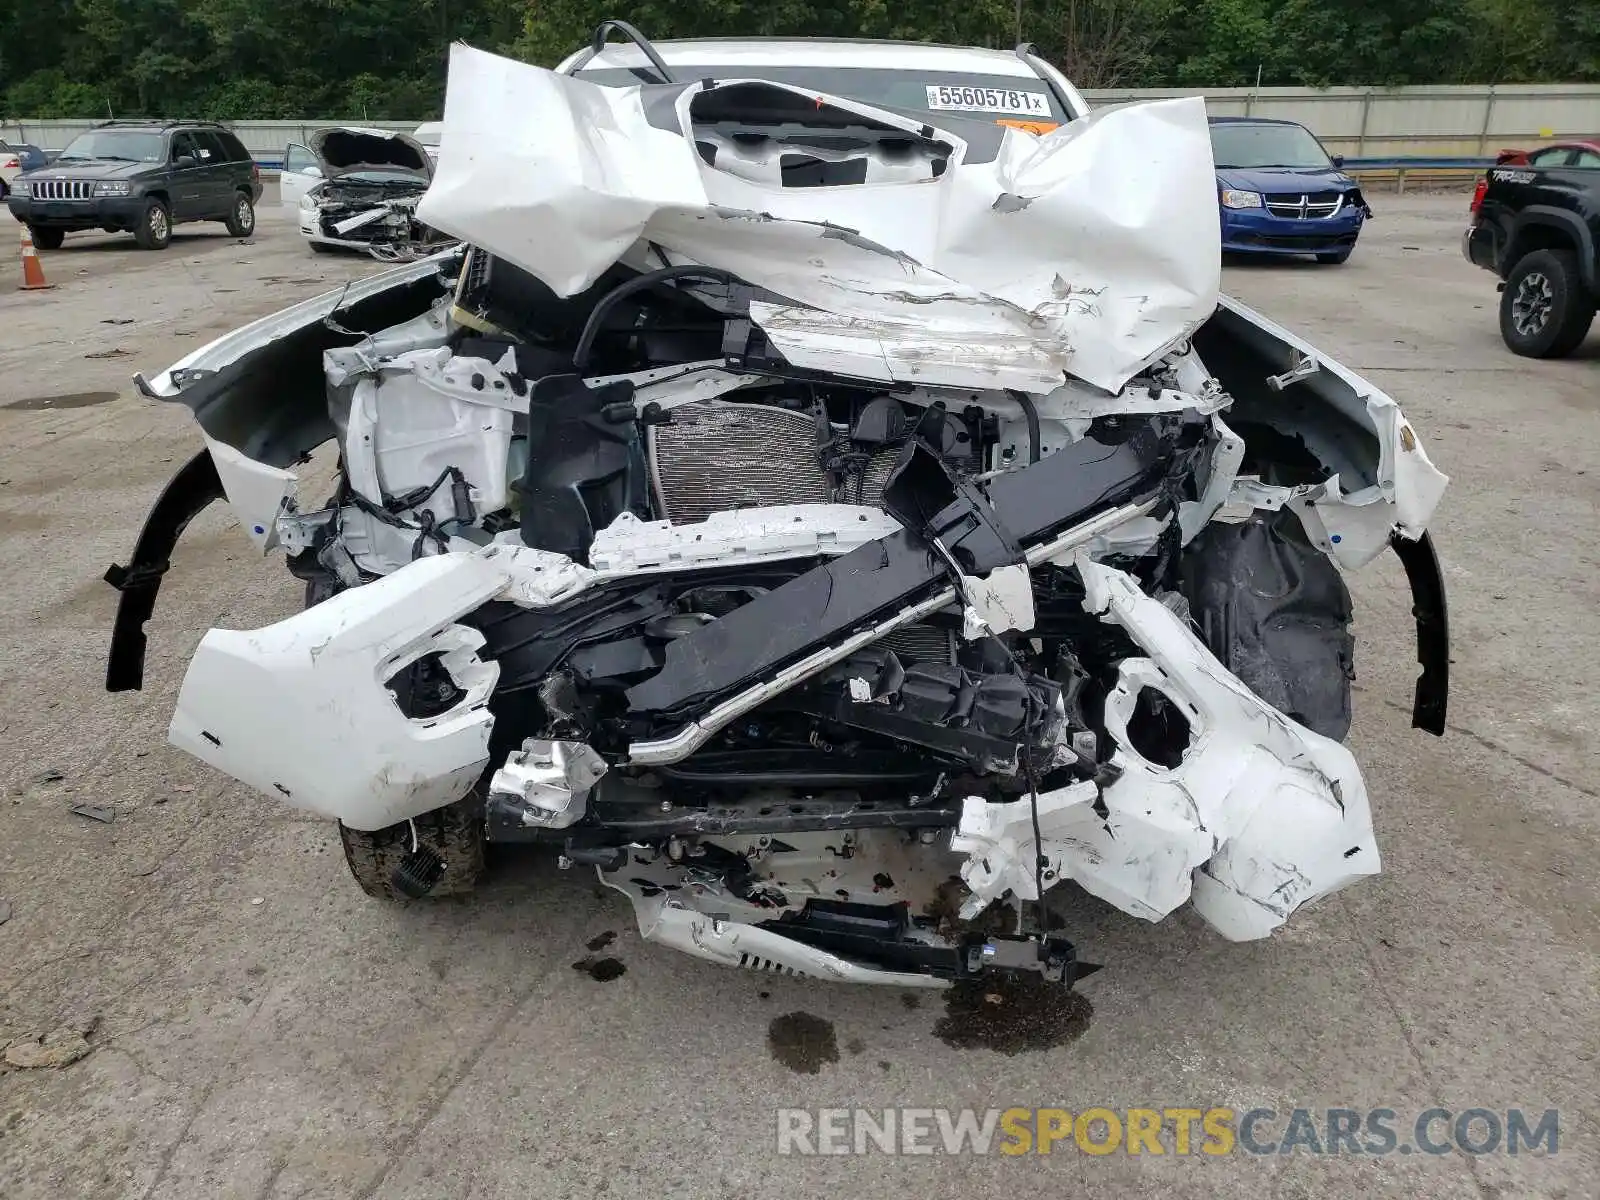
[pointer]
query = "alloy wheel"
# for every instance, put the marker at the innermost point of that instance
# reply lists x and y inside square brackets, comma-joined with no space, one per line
[1532,305]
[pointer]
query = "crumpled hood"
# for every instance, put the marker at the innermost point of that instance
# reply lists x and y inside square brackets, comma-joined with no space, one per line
[1283,179]
[348,149]
[1089,251]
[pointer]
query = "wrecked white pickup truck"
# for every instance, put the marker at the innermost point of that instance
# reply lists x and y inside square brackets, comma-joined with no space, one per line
[837,525]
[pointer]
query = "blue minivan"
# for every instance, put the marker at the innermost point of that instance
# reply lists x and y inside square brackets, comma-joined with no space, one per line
[1280,192]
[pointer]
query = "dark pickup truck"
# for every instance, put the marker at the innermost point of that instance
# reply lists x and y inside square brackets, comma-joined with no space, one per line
[1538,228]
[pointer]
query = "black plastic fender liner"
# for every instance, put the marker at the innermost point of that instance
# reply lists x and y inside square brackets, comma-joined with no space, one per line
[1432,612]
[1276,612]
[186,496]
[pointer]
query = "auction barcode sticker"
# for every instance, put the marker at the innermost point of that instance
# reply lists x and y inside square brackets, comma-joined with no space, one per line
[987,100]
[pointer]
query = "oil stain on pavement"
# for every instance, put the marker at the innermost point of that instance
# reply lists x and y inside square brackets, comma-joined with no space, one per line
[1012,1014]
[69,400]
[602,970]
[802,1042]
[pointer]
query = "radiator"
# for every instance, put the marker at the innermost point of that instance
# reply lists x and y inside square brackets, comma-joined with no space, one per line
[719,456]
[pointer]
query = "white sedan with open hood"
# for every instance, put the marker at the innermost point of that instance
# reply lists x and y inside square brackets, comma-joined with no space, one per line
[838,522]
[357,189]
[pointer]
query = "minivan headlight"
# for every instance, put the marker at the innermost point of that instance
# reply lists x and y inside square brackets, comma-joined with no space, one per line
[1233,199]
[112,187]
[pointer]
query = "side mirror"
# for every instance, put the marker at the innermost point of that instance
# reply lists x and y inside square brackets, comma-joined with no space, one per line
[311,172]
[184,160]
[1338,160]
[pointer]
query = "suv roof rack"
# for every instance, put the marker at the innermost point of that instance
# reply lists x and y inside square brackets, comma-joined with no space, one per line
[152,123]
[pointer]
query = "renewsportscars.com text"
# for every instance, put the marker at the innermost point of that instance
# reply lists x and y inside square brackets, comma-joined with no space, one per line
[1179,1132]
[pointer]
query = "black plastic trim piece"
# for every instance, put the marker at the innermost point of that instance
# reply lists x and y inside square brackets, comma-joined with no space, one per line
[602,33]
[1120,460]
[1431,609]
[186,495]
[640,822]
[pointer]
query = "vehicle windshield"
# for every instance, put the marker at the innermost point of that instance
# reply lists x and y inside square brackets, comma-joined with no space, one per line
[1014,99]
[1239,144]
[120,145]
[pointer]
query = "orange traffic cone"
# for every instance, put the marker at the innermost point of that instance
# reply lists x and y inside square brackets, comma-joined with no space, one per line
[32,272]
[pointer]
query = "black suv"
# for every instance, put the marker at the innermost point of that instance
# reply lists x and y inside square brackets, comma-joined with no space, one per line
[140,177]
[1538,228]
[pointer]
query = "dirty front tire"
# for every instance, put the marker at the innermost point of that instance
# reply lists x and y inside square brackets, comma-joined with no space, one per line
[1545,311]
[154,228]
[454,833]
[241,221]
[47,239]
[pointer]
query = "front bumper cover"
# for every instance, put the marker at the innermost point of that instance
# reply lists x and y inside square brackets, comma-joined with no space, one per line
[121,212]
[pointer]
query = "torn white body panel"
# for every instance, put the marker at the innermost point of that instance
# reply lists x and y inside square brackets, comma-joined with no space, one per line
[1260,816]
[300,711]
[1089,250]
[1381,480]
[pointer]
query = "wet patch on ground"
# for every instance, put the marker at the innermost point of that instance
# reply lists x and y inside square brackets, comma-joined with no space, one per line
[601,940]
[1012,1014]
[802,1042]
[66,400]
[26,522]
[602,970]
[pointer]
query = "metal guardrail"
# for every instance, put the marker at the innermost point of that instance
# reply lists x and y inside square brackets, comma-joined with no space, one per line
[1443,168]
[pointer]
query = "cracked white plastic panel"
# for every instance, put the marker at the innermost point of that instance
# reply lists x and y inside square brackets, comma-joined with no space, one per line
[1260,816]
[997,602]
[940,278]
[733,944]
[628,546]
[414,416]
[299,710]
[738,535]
[256,492]
[1351,526]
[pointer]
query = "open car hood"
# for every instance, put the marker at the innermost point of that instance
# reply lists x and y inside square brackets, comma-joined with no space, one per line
[350,149]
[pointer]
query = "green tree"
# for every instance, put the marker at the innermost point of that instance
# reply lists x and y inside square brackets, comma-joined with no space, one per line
[386,59]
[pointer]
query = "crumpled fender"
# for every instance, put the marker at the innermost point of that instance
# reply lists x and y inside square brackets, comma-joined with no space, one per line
[1380,488]
[299,710]
[1261,815]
